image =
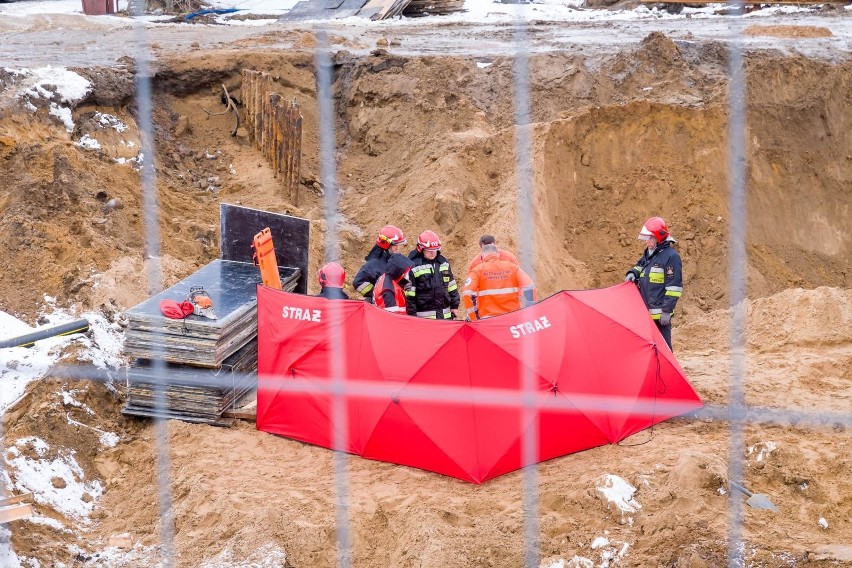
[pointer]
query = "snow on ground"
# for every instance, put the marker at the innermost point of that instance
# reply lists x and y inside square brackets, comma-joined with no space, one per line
[618,491]
[21,365]
[50,83]
[8,559]
[33,8]
[37,476]
[18,367]
[267,556]
[475,11]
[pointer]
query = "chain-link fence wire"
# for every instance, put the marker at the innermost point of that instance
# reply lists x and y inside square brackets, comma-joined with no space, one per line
[736,413]
[148,178]
[331,206]
[737,271]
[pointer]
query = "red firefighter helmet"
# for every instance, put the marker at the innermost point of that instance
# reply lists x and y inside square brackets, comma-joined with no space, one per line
[390,236]
[428,240]
[331,275]
[654,227]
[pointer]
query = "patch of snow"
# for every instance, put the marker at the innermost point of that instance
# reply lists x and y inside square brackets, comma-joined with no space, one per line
[267,556]
[110,121]
[804,486]
[48,522]
[600,542]
[256,7]
[47,81]
[225,19]
[21,365]
[35,476]
[483,64]
[114,557]
[109,439]
[619,492]
[69,400]
[763,449]
[88,143]
[823,523]
[64,115]
[8,558]
[37,444]
[104,348]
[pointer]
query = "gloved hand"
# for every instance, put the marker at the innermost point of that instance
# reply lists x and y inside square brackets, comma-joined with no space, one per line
[631,277]
[665,319]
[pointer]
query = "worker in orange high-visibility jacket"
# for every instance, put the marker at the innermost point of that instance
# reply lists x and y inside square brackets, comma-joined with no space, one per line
[393,285]
[496,286]
[489,240]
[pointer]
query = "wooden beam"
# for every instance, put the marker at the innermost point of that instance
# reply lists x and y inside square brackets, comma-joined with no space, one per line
[249,415]
[15,512]
[23,498]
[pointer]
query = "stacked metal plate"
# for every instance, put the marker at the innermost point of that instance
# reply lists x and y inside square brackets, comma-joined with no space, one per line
[198,340]
[195,368]
[193,394]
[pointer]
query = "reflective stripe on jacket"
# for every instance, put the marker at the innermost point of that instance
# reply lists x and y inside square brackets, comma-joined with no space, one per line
[660,279]
[434,290]
[365,280]
[497,287]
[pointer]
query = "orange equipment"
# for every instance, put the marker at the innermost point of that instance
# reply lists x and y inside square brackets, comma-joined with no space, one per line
[264,257]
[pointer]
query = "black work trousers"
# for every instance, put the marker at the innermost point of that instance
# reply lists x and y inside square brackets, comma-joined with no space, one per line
[666,331]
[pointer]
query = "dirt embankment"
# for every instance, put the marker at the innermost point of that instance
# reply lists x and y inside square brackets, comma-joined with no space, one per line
[428,142]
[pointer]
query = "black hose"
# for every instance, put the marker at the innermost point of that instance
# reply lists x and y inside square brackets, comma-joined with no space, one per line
[79,326]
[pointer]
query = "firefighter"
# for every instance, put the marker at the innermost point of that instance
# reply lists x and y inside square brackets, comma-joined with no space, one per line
[489,240]
[331,278]
[434,291]
[387,243]
[390,289]
[658,274]
[496,286]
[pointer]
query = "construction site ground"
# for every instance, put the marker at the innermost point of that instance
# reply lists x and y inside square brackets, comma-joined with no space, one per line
[630,119]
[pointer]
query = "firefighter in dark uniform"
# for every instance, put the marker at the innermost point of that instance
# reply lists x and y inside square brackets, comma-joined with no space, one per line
[387,243]
[331,278]
[434,291]
[659,275]
[390,290]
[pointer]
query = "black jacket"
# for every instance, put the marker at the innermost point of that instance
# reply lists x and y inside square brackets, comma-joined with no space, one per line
[365,280]
[332,293]
[434,288]
[659,276]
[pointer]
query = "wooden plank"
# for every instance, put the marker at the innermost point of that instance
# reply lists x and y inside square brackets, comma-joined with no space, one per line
[23,498]
[239,414]
[15,512]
